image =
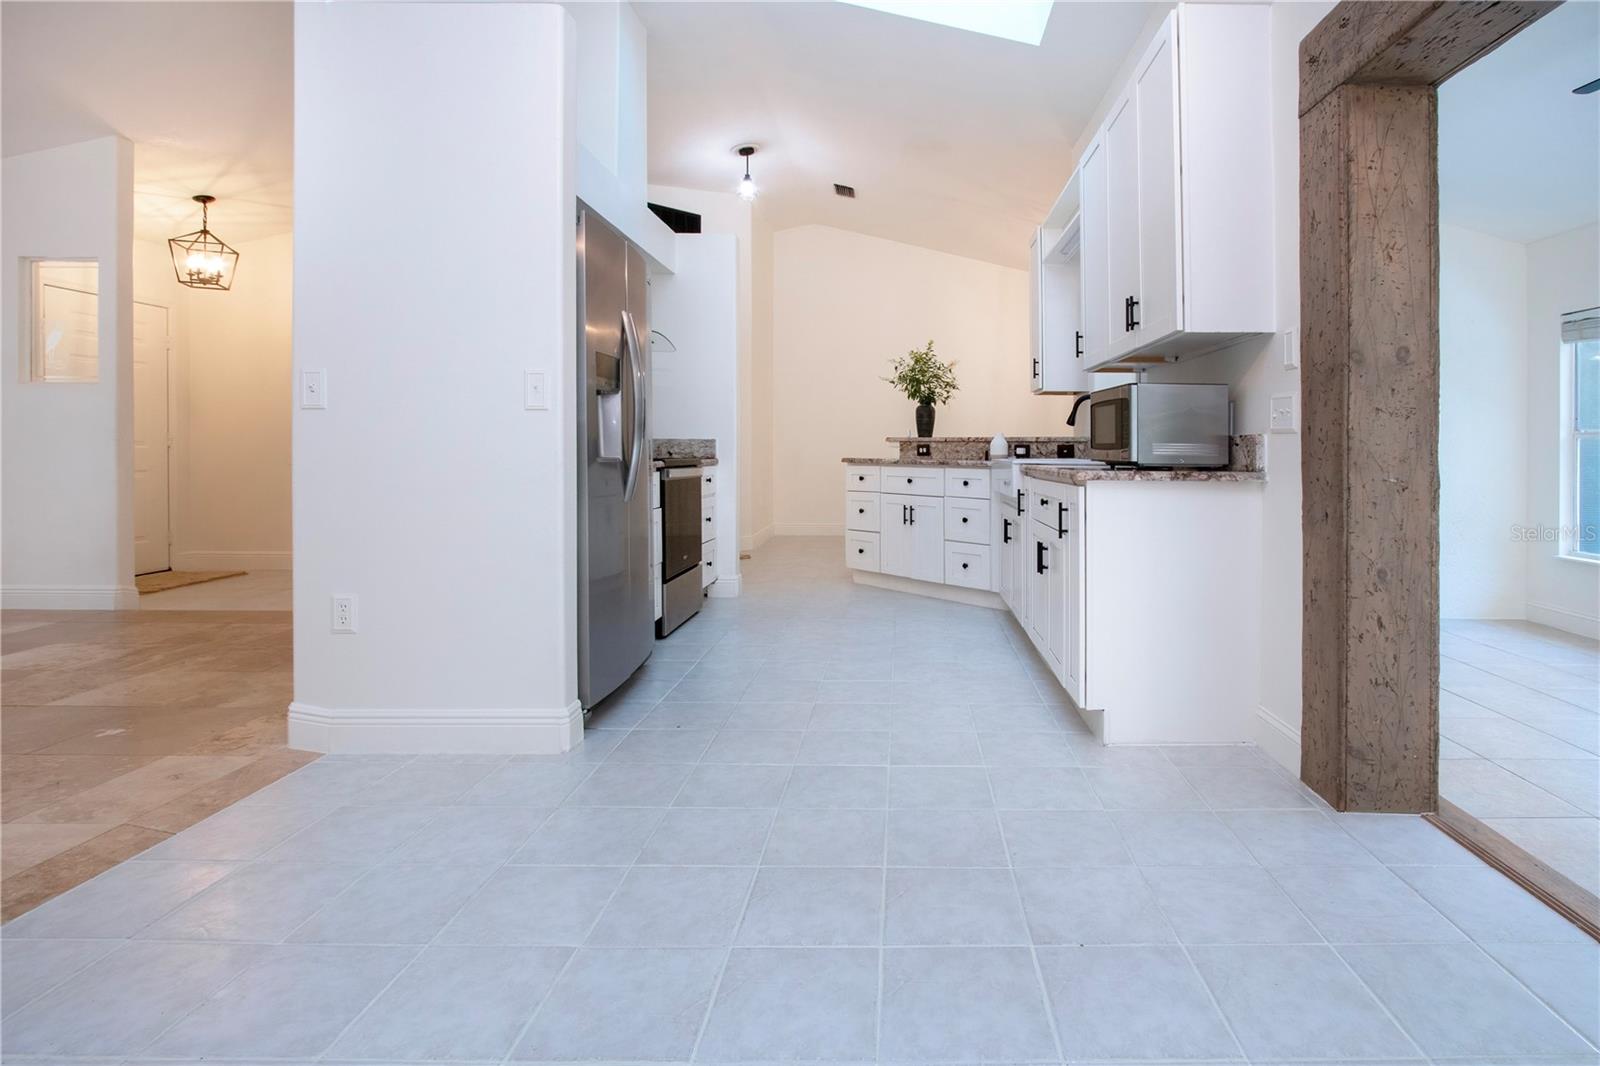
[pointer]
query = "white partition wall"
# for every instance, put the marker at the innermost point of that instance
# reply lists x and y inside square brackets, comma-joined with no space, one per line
[433,269]
[68,446]
[695,389]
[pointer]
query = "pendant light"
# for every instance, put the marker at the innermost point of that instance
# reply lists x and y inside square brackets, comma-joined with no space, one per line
[747,186]
[200,259]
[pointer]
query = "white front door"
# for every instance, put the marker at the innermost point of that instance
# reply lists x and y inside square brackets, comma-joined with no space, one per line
[151,520]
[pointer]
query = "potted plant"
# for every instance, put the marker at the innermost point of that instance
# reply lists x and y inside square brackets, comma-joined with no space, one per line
[925,379]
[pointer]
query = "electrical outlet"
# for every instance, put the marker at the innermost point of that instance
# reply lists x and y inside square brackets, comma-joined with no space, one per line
[534,396]
[1291,350]
[314,389]
[1282,416]
[344,614]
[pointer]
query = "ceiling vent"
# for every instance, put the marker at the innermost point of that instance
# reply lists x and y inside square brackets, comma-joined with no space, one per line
[846,191]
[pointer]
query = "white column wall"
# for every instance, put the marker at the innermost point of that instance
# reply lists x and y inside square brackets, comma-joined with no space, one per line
[434,266]
[68,447]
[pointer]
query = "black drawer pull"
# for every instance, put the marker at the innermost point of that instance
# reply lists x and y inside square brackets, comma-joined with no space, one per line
[861,510]
[963,519]
[861,551]
[908,481]
[963,566]
[965,483]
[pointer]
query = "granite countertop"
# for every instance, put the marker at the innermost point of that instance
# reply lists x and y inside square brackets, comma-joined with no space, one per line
[858,461]
[986,440]
[698,461]
[1070,475]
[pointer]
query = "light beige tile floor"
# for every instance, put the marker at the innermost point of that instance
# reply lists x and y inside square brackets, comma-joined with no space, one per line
[121,728]
[1520,738]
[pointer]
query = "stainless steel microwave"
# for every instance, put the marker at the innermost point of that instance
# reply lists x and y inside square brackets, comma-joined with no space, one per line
[1159,425]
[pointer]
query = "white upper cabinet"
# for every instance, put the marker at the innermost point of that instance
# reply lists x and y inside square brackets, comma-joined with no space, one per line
[1175,198]
[1092,251]
[1056,310]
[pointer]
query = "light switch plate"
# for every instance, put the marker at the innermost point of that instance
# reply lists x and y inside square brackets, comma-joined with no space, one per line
[535,396]
[1291,350]
[1283,416]
[314,389]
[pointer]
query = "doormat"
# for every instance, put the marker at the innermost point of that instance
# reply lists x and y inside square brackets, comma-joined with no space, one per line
[166,580]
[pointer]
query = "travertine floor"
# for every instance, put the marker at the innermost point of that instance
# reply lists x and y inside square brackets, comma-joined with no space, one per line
[826,823]
[119,729]
[1519,711]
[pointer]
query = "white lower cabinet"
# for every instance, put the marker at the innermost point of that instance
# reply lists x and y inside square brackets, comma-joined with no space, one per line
[966,565]
[1008,550]
[1134,593]
[926,523]
[911,536]
[861,551]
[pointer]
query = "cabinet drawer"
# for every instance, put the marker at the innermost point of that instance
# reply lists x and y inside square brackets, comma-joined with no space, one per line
[966,565]
[708,563]
[861,478]
[708,481]
[967,482]
[966,520]
[1041,501]
[913,481]
[861,511]
[708,518]
[861,551]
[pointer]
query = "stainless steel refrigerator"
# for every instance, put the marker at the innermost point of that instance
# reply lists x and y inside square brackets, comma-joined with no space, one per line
[616,607]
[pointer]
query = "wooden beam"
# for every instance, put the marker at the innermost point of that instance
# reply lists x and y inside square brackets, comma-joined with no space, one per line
[1370,354]
[1401,43]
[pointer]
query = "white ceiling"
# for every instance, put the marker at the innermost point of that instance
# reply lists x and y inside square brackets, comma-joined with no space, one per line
[1519,153]
[953,140]
[204,90]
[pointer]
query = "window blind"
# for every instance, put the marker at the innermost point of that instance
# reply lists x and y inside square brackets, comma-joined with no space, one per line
[1580,326]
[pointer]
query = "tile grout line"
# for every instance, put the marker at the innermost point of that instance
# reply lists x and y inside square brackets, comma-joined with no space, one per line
[1022,911]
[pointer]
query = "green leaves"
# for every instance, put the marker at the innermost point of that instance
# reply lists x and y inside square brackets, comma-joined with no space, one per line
[923,376]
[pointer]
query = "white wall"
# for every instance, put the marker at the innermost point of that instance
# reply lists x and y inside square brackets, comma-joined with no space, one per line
[726,213]
[235,498]
[1563,275]
[425,488]
[843,305]
[1483,426]
[67,470]
[697,388]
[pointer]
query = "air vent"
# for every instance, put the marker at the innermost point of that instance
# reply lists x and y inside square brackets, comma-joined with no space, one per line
[847,191]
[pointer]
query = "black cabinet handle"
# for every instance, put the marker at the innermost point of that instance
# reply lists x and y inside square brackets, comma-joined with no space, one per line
[1005,531]
[861,477]
[1133,313]
[1019,501]
[913,510]
[965,482]
[963,519]
[1039,548]
[1036,368]
[902,514]
[963,566]
[1079,350]
[861,551]
[1061,528]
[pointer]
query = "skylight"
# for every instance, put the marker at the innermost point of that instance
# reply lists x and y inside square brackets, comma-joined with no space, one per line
[1014,20]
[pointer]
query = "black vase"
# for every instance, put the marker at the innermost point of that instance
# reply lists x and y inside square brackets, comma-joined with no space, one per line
[924,419]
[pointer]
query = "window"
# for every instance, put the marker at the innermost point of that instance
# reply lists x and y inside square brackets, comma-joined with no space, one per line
[66,320]
[1580,345]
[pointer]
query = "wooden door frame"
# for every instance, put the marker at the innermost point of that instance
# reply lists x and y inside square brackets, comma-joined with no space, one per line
[1369,316]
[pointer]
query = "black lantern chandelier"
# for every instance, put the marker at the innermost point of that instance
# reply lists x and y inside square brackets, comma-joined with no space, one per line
[200,259]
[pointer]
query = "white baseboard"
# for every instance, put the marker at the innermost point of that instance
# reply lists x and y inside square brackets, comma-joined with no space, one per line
[756,539]
[430,731]
[69,598]
[1278,739]
[808,529]
[726,587]
[953,593]
[1560,618]
[199,559]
